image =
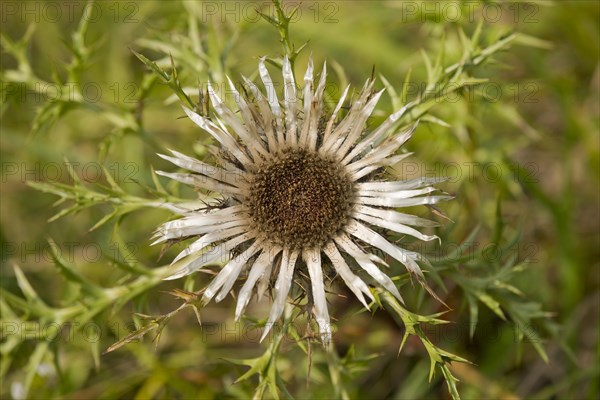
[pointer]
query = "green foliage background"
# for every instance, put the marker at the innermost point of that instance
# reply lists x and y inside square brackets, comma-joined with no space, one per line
[518,264]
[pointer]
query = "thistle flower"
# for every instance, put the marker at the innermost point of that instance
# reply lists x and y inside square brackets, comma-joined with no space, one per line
[300,194]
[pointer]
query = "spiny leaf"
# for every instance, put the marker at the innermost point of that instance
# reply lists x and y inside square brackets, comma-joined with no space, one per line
[171,80]
[32,366]
[405,86]
[396,103]
[104,220]
[451,382]
[473,313]
[152,65]
[26,288]
[73,275]
[137,334]
[435,120]
[490,303]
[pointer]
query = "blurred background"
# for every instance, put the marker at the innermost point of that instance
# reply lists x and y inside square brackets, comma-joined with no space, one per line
[519,259]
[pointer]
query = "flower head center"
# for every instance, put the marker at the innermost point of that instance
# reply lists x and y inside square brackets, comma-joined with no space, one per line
[300,199]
